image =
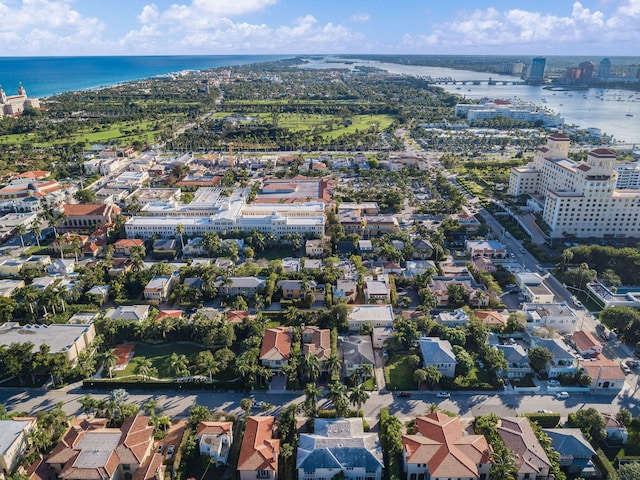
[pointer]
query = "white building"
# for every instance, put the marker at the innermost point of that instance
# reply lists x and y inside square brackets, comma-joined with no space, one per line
[578,198]
[553,316]
[439,354]
[215,439]
[13,442]
[519,112]
[374,315]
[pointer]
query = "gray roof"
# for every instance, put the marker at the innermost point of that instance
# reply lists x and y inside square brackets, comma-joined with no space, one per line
[357,350]
[569,441]
[514,353]
[59,337]
[556,346]
[10,431]
[434,350]
[243,282]
[339,443]
[128,312]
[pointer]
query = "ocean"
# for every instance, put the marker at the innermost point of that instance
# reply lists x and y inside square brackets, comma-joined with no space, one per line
[47,76]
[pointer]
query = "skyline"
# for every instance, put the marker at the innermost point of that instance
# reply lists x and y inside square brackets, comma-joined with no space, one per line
[223,27]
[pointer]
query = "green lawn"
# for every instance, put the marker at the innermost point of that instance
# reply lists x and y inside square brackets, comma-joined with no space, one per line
[159,356]
[475,378]
[399,373]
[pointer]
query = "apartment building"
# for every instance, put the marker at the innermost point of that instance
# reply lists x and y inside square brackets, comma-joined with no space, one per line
[578,198]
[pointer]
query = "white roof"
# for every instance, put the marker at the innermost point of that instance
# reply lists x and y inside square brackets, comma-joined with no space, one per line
[367,313]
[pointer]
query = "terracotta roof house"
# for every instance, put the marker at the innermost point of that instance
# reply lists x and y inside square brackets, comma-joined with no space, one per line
[276,347]
[518,436]
[585,343]
[339,445]
[606,375]
[124,245]
[259,451]
[86,217]
[215,439]
[317,341]
[90,451]
[440,449]
[236,316]
[492,319]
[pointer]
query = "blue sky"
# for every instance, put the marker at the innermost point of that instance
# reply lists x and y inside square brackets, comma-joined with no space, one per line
[162,27]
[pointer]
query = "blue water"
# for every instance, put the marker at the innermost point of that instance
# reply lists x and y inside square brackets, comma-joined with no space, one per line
[46,76]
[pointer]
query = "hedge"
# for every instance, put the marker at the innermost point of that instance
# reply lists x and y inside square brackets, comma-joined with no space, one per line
[545,420]
[605,467]
[97,384]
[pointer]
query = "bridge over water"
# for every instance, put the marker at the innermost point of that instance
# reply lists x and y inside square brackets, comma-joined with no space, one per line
[484,81]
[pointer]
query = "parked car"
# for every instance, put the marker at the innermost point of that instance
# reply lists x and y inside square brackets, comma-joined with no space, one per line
[625,369]
[160,449]
[544,410]
[170,451]
[562,395]
[443,395]
[404,394]
[553,383]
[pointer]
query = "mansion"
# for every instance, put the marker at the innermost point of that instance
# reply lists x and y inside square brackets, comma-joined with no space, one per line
[11,105]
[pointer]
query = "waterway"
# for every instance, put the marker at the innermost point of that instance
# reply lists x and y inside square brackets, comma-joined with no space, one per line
[614,111]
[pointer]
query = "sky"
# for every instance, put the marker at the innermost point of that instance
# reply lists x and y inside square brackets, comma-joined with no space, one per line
[226,27]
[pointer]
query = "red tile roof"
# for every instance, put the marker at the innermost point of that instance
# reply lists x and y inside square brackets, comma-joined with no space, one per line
[602,369]
[129,242]
[214,428]
[440,443]
[584,340]
[124,352]
[259,449]
[276,344]
[75,209]
[169,313]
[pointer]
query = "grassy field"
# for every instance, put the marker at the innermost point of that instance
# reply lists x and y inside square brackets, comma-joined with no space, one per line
[159,356]
[399,373]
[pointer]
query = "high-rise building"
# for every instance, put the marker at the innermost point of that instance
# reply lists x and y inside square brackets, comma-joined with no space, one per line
[578,198]
[586,71]
[604,68]
[535,72]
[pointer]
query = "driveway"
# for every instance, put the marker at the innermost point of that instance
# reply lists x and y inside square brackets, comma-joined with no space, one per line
[379,369]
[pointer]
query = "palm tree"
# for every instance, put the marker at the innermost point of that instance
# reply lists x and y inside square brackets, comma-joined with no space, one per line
[366,370]
[151,406]
[337,397]
[504,465]
[144,368]
[206,361]
[180,231]
[21,230]
[88,403]
[291,315]
[35,230]
[109,359]
[310,366]
[179,365]
[312,392]
[358,396]
[334,365]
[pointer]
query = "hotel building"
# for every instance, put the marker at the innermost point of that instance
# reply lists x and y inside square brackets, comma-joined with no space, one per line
[578,198]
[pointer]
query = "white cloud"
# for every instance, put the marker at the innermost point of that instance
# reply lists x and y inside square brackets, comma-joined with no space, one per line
[34,26]
[519,29]
[361,17]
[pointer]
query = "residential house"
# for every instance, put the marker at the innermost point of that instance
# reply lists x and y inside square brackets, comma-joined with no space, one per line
[292,289]
[9,286]
[245,286]
[356,351]
[441,449]
[484,264]
[291,265]
[36,262]
[194,248]
[422,249]
[160,287]
[312,264]
[576,453]
[68,242]
[552,316]
[313,248]
[14,442]
[458,317]
[89,450]
[617,433]
[43,282]
[317,341]
[607,378]
[134,313]
[339,445]
[476,295]
[376,291]
[374,315]
[439,354]
[517,360]
[413,268]
[259,451]
[531,459]
[101,292]
[276,347]
[165,248]
[123,246]
[533,288]
[215,439]
[11,267]
[564,361]
[119,266]
[485,248]
[585,343]
[86,217]
[62,266]
[345,289]
[492,319]
[365,247]
[381,335]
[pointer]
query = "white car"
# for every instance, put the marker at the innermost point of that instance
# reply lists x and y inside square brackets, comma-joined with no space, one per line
[562,395]
[443,395]
[553,383]
[170,450]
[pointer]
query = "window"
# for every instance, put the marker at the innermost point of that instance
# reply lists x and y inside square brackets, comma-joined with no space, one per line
[263,474]
[126,466]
